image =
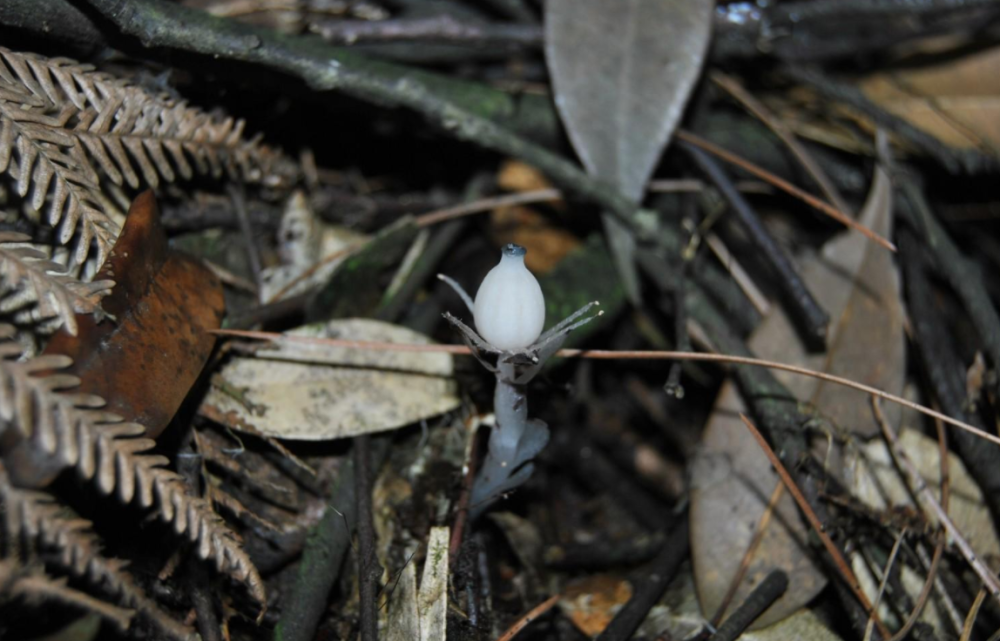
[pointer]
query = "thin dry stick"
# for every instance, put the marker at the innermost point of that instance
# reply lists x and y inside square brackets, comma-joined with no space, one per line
[740,275]
[601,354]
[671,185]
[313,269]
[784,185]
[925,591]
[970,619]
[919,486]
[786,135]
[831,547]
[488,204]
[523,622]
[758,536]
[885,581]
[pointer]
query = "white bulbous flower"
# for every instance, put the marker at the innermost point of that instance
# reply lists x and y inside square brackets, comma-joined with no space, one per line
[510,308]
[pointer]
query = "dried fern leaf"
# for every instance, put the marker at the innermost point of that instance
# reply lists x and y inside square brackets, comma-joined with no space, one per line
[36,518]
[72,429]
[29,278]
[36,588]
[65,128]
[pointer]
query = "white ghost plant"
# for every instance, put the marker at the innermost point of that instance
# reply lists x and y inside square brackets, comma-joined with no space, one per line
[509,312]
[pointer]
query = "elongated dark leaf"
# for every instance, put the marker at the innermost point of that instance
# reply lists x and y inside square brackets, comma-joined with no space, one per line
[622,72]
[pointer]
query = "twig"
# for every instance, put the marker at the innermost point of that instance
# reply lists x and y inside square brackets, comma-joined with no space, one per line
[776,125]
[882,584]
[738,273]
[457,107]
[919,486]
[758,536]
[596,471]
[766,593]
[650,586]
[850,95]
[965,280]
[441,28]
[318,265]
[487,204]
[813,319]
[323,555]
[925,591]
[253,252]
[164,24]
[623,355]
[970,619]
[681,340]
[943,367]
[369,570]
[524,621]
[462,507]
[783,185]
[838,558]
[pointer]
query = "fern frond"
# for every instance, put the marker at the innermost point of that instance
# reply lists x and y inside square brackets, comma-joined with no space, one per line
[37,402]
[65,127]
[38,519]
[28,277]
[35,588]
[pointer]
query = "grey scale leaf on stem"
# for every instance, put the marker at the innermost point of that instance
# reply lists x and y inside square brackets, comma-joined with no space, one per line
[509,312]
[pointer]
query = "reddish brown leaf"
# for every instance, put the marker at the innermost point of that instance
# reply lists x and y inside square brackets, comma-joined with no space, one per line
[145,357]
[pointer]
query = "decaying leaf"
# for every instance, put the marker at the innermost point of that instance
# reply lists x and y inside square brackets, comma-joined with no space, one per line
[30,278]
[309,392]
[732,480]
[163,305]
[622,73]
[957,101]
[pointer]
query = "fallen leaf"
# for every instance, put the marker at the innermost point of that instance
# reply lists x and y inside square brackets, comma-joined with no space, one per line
[308,392]
[622,73]
[732,480]
[145,360]
[956,101]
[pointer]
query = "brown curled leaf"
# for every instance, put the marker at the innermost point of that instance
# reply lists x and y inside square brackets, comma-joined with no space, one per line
[145,357]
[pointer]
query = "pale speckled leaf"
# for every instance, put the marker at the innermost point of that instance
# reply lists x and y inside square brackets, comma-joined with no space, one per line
[433,597]
[311,392]
[622,73]
[732,479]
